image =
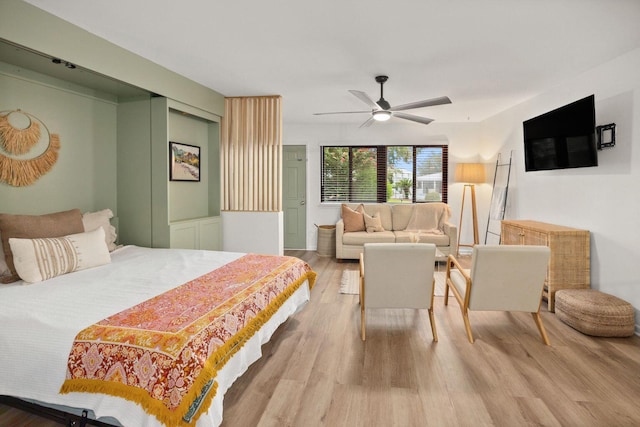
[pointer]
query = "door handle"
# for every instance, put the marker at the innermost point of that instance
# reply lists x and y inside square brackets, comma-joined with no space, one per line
[302,203]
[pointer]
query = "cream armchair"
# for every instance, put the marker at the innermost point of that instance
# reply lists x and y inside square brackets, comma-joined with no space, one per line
[502,278]
[397,275]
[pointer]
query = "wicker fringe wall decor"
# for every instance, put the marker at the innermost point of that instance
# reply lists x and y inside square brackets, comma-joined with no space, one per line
[14,141]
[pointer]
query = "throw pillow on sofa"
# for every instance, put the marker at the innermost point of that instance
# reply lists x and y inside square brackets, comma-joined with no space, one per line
[353,219]
[373,223]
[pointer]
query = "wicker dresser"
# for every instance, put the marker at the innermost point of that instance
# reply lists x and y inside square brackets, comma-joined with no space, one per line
[569,266]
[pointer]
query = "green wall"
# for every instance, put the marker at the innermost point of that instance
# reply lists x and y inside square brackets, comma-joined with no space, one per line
[100,151]
[188,200]
[85,174]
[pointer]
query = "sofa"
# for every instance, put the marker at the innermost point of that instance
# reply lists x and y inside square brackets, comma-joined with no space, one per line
[394,223]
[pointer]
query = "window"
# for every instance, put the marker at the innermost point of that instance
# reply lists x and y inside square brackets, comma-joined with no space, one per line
[395,174]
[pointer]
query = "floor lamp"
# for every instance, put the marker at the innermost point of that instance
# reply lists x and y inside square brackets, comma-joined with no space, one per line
[469,174]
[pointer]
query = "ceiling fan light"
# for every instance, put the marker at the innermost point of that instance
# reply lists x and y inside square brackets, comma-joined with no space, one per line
[381,116]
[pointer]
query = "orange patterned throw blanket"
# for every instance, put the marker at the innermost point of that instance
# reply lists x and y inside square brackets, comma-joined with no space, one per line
[165,352]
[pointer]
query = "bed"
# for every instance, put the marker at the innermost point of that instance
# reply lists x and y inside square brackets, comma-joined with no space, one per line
[41,324]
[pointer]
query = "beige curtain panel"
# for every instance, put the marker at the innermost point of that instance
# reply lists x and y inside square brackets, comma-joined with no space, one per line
[251,154]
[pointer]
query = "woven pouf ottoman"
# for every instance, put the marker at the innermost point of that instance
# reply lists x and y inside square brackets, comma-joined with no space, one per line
[595,313]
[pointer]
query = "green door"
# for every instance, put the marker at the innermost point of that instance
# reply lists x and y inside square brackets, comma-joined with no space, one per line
[294,196]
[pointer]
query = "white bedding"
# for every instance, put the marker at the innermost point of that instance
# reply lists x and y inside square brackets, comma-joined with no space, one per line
[40,321]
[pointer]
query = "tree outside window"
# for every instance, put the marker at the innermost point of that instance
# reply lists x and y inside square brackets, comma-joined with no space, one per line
[394,174]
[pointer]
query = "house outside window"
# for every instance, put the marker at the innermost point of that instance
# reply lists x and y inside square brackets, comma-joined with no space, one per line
[394,174]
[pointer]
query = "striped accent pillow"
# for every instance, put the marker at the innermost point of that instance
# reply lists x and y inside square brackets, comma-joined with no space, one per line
[41,259]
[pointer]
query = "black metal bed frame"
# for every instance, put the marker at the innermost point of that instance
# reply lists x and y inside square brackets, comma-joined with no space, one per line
[61,417]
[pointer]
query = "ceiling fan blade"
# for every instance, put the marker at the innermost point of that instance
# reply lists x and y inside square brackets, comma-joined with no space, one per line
[342,112]
[419,104]
[365,98]
[423,120]
[367,123]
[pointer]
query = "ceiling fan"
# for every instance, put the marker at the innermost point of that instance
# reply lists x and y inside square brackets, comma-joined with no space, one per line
[382,111]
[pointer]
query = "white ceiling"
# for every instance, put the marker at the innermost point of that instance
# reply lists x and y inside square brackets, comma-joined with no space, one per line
[486,55]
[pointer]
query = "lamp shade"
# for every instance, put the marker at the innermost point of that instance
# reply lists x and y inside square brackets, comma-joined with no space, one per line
[470,173]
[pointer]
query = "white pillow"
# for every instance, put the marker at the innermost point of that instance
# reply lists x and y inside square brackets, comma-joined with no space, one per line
[41,259]
[93,220]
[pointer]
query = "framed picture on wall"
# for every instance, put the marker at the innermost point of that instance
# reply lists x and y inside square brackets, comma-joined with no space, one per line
[184,162]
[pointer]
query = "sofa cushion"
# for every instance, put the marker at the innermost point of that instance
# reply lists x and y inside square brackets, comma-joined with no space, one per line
[373,223]
[353,218]
[401,214]
[359,238]
[404,236]
[420,216]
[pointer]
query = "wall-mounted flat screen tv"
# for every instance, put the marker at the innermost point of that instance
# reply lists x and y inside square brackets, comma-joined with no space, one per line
[562,138]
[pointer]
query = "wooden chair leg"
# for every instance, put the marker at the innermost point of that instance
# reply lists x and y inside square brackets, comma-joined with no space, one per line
[433,325]
[467,325]
[362,322]
[543,332]
[446,291]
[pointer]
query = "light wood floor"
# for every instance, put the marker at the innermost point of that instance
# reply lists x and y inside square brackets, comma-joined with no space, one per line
[317,372]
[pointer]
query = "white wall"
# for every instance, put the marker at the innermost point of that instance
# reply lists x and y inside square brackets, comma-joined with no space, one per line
[464,140]
[254,232]
[601,199]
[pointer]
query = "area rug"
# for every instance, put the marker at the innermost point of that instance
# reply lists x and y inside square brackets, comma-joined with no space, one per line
[350,282]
